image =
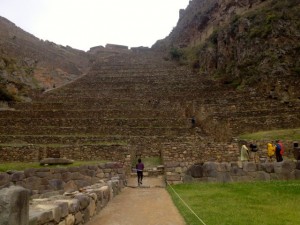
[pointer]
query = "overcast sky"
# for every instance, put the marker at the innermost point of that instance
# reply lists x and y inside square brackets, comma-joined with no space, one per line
[83,24]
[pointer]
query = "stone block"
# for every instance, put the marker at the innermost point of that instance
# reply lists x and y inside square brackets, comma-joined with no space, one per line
[56,184]
[82,183]
[42,174]
[210,169]
[83,200]
[62,222]
[262,176]
[39,216]
[249,167]
[236,171]
[70,187]
[187,178]
[297,174]
[4,179]
[274,176]
[64,207]
[195,171]
[285,170]
[223,167]
[224,177]
[14,205]
[70,220]
[55,209]
[178,170]
[56,161]
[100,175]
[268,167]
[73,205]
[78,218]
[17,176]
[94,168]
[66,176]
[29,172]
[92,208]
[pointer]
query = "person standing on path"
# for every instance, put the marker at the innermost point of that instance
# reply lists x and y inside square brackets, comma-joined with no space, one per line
[139,170]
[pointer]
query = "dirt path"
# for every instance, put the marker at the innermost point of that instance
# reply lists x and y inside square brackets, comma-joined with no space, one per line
[149,205]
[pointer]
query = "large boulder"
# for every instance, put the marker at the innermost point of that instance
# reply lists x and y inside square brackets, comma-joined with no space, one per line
[56,161]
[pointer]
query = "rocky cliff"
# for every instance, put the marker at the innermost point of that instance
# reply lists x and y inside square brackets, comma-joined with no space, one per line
[242,44]
[28,63]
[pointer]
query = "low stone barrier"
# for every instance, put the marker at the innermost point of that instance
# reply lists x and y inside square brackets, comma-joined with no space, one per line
[69,208]
[176,172]
[42,180]
[73,208]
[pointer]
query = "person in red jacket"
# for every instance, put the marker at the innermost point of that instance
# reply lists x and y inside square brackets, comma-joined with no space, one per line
[139,170]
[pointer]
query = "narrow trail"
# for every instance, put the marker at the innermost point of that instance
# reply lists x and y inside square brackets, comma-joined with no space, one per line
[149,204]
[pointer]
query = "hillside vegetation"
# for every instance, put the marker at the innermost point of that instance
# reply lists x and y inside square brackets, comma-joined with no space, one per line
[241,44]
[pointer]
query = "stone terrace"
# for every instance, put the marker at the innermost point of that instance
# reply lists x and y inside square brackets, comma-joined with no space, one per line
[128,104]
[133,104]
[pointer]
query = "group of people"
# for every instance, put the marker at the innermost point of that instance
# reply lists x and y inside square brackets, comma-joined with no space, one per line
[272,150]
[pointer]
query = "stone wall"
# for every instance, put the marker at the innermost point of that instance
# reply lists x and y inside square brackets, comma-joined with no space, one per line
[232,171]
[68,209]
[43,180]
[189,153]
[31,153]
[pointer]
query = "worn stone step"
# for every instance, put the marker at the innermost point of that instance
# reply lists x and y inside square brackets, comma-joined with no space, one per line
[84,103]
[65,122]
[101,130]
[93,114]
[88,139]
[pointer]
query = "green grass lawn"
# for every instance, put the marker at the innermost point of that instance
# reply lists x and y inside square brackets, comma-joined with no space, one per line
[287,134]
[19,166]
[256,203]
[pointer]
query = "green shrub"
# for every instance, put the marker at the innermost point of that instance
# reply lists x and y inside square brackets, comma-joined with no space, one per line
[5,96]
[176,54]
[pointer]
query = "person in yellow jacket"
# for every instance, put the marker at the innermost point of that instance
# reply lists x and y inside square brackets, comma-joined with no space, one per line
[271,151]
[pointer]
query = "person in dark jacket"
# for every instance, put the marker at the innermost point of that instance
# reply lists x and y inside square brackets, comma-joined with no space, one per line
[279,151]
[139,170]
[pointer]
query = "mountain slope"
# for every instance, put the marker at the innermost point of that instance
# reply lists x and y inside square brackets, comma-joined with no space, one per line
[244,44]
[28,63]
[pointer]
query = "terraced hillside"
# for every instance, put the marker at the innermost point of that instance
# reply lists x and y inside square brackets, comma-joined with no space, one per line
[128,103]
[133,104]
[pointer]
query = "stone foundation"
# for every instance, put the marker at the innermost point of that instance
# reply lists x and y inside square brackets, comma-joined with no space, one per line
[232,171]
[64,196]
[67,179]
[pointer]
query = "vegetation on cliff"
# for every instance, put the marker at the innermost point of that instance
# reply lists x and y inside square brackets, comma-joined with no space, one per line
[251,45]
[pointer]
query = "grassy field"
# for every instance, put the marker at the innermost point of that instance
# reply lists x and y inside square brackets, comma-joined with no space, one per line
[287,134]
[258,203]
[19,166]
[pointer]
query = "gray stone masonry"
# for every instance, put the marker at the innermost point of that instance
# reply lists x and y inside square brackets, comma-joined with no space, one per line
[232,171]
[66,196]
[14,206]
[68,179]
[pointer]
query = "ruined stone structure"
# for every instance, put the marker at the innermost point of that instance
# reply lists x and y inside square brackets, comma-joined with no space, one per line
[134,103]
[58,195]
[225,172]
